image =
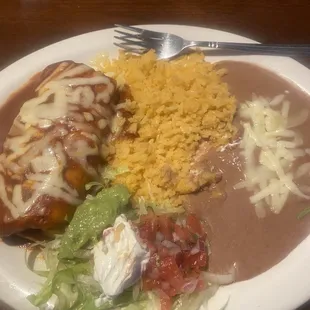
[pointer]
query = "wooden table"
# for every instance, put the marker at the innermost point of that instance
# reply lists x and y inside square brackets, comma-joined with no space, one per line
[27,25]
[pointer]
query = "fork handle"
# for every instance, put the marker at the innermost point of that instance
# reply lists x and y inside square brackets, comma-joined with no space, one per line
[271,49]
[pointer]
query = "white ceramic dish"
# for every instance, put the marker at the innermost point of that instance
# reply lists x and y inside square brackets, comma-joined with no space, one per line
[284,287]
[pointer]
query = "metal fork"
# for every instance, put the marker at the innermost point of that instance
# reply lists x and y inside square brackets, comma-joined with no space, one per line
[167,45]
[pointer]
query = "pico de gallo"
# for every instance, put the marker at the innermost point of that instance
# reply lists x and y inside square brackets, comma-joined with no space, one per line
[178,255]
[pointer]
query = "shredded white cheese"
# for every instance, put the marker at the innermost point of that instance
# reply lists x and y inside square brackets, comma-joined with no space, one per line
[270,146]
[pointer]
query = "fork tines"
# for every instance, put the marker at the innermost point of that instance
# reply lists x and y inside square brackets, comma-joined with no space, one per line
[131,42]
[131,28]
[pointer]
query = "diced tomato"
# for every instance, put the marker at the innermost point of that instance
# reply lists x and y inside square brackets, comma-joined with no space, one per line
[201,285]
[153,262]
[165,286]
[152,273]
[171,291]
[148,226]
[170,272]
[203,259]
[165,226]
[163,251]
[151,246]
[165,300]
[183,233]
[148,230]
[194,225]
[150,284]
[150,215]
[171,266]
[179,258]
[168,289]
[195,261]
[201,245]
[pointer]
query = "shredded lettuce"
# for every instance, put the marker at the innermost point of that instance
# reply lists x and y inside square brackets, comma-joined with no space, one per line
[91,218]
[69,275]
[76,289]
[107,175]
[151,303]
[125,302]
[139,305]
[110,173]
[303,213]
[64,282]
[165,208]
[90,185]
[194,301]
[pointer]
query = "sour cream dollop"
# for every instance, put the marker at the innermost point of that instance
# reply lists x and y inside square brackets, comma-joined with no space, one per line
[119,258]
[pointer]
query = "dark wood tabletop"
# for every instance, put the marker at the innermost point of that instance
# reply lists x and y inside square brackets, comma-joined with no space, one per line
[27,25]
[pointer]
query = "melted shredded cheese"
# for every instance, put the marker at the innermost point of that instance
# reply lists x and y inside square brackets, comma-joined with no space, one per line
[270,146]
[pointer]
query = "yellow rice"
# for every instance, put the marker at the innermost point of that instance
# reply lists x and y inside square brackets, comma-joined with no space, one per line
[176,105]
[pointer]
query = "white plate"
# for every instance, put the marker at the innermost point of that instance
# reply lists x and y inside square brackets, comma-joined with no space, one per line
[285,286]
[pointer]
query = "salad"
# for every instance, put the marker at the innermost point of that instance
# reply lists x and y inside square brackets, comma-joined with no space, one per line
[114,256]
